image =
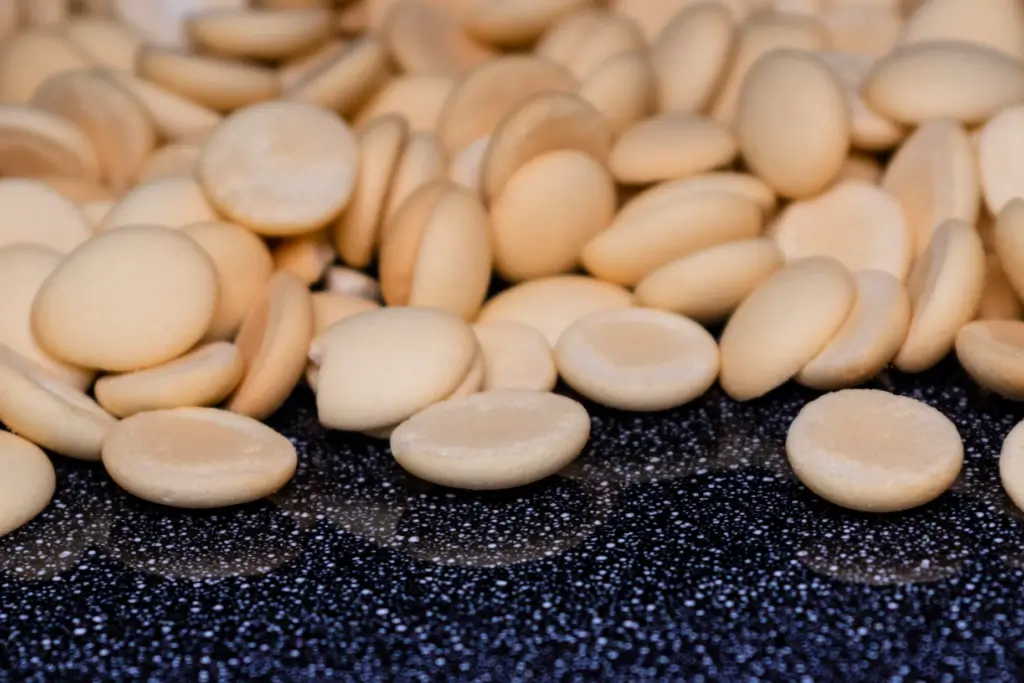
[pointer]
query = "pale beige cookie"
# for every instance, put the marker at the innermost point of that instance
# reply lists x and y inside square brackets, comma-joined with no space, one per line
[30,57]
[280,168]
[215,82]
[243,264]
[998,300]
[77,190]
[29,483]
[551,304]
[23,270]
[381,145]
[516,356]
[48,412]
[163,21]
[867,28]
[861,167]
[637,359]
[429,38]
[797,155]
[990,352]
[36,143]
[493,440]
[174,116]
[511,23]
[934,177]
[381,367]
[416,264]
[1008,243]
[561,200]
[543,123]
[104,41]
[422,162]
[473,383]
[691,56]
[466,169]
[417,98]
[347,80]
[641,240]
[330,307]
[783,325]
[670,146]
[174,159]
[273,340]
[306,256]
[749,186]
[868,129]
[584,40]
[116,124]
[854,222]
[758,37]
[260,33]
[870,338]
[1011,465]
[158,290]
[961,81]
[345,280]
[202,377]
[709,284]
[33,213]
[873,451]
[492,90]
[654,16]
[197,458]
[998,24]
[298,68]
[945,289]
[171,202]
[1000,144]
[623,88]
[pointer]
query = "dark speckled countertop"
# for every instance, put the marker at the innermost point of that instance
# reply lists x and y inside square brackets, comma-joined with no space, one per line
[678,547]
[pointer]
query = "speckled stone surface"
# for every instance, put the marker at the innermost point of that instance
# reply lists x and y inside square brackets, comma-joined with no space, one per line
[679,547]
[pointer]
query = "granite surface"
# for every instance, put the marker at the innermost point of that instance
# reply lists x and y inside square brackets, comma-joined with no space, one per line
[678,547]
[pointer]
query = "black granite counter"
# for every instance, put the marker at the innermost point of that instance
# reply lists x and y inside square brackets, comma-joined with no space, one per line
[678,547]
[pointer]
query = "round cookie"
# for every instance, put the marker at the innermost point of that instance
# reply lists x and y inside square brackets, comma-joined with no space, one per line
[171,202]
[1011,465]
[23,270]
[273,340]
[560,199]
[945,290]
[49,412]
[873,451]
[515,356]
[34,213]
[203,377]
[280,168]
[493,440]
[28,484]
[197,458]
[783,325]
[798,156]
[243,264]
[870,338]
[551,304]
[709,284]
[381,367]
[855,222]
[637,359]
[158,290]
[991,353]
